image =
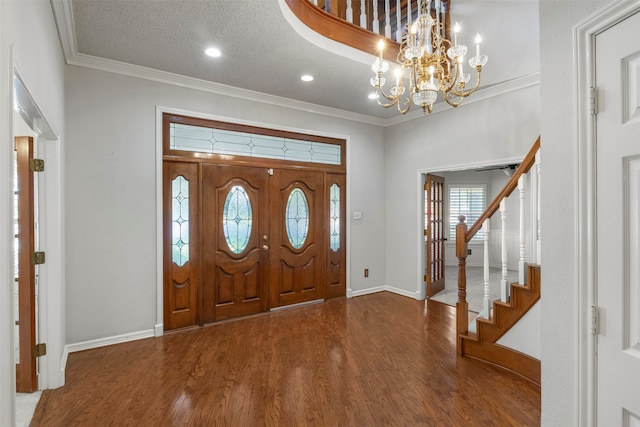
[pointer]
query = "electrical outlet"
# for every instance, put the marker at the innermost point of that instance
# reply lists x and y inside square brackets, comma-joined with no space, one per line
[468,251]
[366,272]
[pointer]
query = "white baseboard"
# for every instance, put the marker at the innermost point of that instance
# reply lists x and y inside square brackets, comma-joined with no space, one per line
[63,366]
[403,292]
[158,330]
[368,291]
[101,342]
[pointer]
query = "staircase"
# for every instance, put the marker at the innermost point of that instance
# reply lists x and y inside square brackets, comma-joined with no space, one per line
[517,298]
[483,343]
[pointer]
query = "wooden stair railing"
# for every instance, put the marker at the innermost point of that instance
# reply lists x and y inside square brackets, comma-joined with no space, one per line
[337,28]
[483,344]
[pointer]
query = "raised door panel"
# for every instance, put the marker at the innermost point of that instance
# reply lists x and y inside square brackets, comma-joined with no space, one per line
[235,236]
[297,246]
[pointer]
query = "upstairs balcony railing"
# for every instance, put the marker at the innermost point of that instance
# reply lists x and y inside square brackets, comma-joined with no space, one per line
[361,23]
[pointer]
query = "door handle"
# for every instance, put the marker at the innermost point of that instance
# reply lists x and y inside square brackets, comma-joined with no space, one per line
[265,247]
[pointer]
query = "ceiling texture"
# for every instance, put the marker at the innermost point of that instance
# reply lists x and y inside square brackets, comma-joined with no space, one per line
[265,49]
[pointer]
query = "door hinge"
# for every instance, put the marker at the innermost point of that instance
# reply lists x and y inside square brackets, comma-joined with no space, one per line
[593,101]
[595,320]
[424,277]
[36,165]
[39,350]
[37,258]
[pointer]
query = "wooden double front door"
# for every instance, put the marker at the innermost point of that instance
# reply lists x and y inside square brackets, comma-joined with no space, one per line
[257,238]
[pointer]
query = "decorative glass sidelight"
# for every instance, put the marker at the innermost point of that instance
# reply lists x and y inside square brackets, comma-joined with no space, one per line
[237,219]
[180,220]
[297,218]
[334,217]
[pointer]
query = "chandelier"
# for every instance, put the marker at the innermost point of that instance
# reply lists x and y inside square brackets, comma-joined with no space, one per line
[428,63]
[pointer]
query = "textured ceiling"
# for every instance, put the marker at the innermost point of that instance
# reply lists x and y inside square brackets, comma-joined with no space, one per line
[262,52]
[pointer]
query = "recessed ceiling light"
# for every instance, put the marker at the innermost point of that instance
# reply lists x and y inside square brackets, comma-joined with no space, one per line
[373,95]
[306,78]
[213,52]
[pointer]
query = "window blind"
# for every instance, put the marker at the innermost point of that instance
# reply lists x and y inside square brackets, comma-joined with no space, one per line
[468,201]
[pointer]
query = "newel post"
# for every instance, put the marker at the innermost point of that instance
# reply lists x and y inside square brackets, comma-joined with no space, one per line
[462,307]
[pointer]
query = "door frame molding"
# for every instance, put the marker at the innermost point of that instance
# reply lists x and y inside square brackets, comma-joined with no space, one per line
[584,35]
[160,110]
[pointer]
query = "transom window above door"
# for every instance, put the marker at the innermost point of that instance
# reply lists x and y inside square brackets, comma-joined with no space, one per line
[189,135]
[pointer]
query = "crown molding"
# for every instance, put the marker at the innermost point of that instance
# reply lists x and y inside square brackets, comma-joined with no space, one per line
[63,14]
[117,67]
[513,85]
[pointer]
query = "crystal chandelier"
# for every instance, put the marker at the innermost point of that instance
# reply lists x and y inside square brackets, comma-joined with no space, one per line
[429,63]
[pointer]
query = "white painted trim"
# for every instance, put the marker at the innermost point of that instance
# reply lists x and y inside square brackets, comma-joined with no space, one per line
[159,323]
[158,330]
[102,342]
[51,283]
[360,292]
[63,14]
[186,82]
[7,354]
[63,365]
[482,94]
[392,289]
[421,285]
[585,191]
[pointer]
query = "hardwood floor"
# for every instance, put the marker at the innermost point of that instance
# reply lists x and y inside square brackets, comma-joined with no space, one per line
[374,360]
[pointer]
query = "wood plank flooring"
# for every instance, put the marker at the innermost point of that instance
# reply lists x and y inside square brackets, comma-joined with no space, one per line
[374,360]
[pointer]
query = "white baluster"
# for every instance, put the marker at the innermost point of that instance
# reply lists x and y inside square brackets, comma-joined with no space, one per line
[349,11]
[438,9]
[398,22]
[522,264]
[314,2]
[363,14]
[504,283]
[539,227]
[387,20]
[486,301]
[376,18]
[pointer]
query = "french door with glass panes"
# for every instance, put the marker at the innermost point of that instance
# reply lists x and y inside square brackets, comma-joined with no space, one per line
[243,236]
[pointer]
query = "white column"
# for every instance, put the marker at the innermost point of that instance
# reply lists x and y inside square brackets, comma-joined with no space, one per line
[522,264]
[504,283]
[539,228]
[486,301]
[398,21]
[363,14]
[349,11]
[376,18]
[387,20]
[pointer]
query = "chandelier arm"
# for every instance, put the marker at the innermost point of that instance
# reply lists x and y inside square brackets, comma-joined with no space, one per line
[475,87]
[387,105]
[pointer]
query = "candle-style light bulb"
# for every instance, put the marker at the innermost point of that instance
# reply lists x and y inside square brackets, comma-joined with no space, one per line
[381,48]
[478,41]
[456,30]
